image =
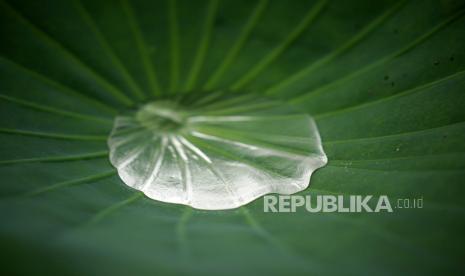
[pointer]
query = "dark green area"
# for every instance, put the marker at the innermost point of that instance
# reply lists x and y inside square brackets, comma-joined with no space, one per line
[383,79]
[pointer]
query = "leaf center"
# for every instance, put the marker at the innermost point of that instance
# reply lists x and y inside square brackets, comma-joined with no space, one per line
[165,116]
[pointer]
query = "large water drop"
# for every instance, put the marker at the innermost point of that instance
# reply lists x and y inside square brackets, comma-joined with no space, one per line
[215,154]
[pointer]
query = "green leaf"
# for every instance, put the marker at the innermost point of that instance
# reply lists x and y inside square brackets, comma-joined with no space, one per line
[384,81]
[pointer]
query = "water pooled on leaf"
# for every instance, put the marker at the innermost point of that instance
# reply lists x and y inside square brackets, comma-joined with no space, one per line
[215,153]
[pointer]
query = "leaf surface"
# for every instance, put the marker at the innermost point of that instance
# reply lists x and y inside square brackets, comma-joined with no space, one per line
[383,81]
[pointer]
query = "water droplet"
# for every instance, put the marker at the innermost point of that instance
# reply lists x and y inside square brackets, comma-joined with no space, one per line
[217,154]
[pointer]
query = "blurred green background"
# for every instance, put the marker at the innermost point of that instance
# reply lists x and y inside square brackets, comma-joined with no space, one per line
[384,81]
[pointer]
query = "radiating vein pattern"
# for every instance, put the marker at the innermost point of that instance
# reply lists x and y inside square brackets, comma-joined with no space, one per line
[218,155]
[214,103]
